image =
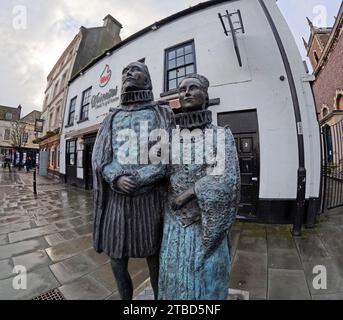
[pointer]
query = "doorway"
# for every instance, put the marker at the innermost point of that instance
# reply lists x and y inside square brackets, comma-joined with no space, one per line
[88,171]
[244,127]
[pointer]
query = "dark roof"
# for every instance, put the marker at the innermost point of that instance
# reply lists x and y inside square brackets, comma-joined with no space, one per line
[5,109]
[178,15]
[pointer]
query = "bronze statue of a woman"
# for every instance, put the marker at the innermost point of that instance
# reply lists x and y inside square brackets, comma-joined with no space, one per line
[195,254]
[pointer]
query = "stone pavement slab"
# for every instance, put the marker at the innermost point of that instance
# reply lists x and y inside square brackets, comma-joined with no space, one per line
[85,288]
[19,248]
[334,279]
[3,239]
[72,268]
[38,281]
[249,273]
[6,269]
[284,259]
[33,260]
[61,251]
[287,285]
[311,248]
[31,233]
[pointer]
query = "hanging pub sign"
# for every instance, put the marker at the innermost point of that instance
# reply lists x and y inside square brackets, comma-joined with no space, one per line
[39,125]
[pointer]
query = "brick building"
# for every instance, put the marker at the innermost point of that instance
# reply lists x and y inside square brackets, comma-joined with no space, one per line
[325,51]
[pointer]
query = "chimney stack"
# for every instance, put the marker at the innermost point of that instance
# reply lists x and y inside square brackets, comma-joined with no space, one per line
[19,111]
[113,26]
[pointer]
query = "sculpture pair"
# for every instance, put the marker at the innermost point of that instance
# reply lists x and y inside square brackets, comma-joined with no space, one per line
[175,215]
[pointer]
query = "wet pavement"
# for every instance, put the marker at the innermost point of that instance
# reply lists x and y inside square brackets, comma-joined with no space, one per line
[51,236]
[271,264]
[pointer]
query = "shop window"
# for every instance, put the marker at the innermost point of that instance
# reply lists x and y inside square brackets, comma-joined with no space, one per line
[179,62]
[86,97]
[71,115]
[25,137]
[71,153]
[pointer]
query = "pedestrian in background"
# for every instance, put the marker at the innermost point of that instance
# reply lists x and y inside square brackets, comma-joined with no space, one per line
[7,163]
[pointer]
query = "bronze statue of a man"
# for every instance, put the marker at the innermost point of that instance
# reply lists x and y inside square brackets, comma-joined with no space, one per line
[129,194]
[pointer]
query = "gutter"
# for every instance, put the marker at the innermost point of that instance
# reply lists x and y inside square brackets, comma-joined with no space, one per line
[301,174]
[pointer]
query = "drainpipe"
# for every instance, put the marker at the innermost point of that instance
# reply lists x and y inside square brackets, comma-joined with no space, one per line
[301,175]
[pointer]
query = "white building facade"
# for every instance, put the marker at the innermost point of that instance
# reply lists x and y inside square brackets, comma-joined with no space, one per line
[267,101]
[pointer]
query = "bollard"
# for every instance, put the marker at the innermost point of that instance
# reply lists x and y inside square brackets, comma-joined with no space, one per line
[34,182]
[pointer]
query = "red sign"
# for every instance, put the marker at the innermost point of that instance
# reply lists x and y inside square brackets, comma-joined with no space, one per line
[105,76]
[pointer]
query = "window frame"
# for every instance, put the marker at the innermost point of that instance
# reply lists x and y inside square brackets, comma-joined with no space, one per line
[69,152]
[69,122]
[166,60]
[83,105]
[8,116]
[25,138]
[7,135]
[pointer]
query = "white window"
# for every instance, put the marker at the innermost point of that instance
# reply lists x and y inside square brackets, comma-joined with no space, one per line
[9,116]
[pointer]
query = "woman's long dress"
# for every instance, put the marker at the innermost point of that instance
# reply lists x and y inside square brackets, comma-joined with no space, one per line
[195,254]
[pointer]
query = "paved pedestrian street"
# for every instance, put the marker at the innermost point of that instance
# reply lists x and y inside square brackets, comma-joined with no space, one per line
[50,235]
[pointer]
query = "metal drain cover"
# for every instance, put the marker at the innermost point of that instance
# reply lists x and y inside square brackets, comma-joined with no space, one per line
[50,295]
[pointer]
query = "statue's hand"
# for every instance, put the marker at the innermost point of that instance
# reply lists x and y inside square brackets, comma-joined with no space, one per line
[182,199]
[126,184]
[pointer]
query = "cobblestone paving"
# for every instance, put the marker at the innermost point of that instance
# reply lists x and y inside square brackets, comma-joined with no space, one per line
[51,236]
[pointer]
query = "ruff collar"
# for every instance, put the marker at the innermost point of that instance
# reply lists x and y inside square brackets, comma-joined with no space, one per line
[194,119]
[139,96]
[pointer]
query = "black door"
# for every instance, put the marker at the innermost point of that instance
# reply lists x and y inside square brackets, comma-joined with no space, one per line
[244,127]
[88,166]
[87,156]
[71,162]
[247,148]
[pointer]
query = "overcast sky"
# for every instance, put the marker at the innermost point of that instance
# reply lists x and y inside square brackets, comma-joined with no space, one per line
[28,54]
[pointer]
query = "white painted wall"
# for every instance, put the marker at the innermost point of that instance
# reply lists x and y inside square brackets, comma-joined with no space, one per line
[256,85]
